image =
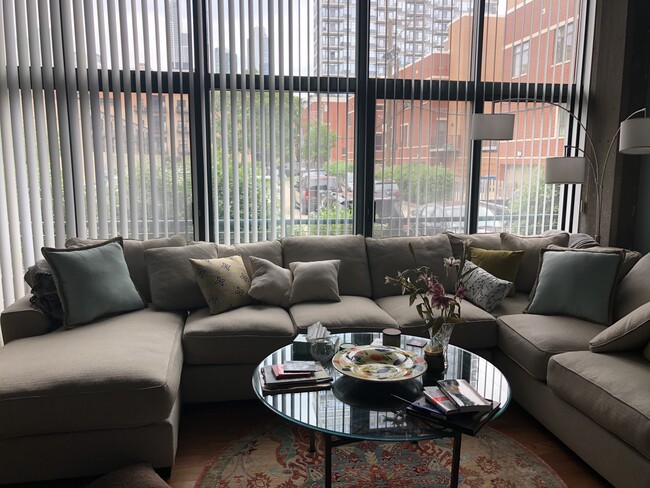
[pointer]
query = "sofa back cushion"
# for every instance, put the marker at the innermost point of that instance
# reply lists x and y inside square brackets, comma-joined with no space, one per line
[634,289]
[531,246]
[354,276]
[269,250]
[491,241]
[390,255]
[134,256]
[173,285]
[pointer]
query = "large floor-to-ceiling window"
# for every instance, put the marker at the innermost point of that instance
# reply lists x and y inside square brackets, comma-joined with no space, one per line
[248,120]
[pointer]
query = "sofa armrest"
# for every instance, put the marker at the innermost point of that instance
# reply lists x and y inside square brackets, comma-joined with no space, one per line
[21,319]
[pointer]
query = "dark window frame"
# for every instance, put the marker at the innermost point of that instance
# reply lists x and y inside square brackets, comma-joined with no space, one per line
[367,91]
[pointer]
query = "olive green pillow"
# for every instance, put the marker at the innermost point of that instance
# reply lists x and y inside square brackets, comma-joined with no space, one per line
[92,281]
[224,282]
[502,264]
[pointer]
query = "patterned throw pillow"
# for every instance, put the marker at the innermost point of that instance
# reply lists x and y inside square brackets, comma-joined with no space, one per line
[224,282]
[484,289]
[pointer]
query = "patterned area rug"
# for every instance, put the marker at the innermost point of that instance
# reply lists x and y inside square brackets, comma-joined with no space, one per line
[280,458]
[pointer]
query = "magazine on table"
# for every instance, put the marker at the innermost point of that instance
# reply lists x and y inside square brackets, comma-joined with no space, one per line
[467,423]
[464,396]
[438,398]
[270,381]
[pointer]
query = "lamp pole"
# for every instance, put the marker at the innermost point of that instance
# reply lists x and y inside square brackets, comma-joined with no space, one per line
[597,173]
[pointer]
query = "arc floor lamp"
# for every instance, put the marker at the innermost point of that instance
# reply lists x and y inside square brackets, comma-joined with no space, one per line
[633,135]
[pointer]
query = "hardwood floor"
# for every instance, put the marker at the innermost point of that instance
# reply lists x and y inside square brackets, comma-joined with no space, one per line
[206,429]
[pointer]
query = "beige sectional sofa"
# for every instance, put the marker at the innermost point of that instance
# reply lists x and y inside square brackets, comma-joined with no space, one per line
[87,400]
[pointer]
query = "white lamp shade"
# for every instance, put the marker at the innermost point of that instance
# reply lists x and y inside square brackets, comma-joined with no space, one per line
[565,170]
[495,127]
[635,136]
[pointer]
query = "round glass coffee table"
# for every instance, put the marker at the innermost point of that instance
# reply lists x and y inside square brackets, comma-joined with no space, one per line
[354,409]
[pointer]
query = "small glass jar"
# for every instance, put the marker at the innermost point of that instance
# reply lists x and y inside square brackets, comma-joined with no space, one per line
[322,350]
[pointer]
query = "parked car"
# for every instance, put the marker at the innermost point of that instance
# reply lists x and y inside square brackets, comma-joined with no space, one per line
[433,218]
[390,220]
[387,190]
[383,190]
[314,191]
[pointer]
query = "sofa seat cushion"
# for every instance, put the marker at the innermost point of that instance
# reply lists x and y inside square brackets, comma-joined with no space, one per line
[531,340]
[512,305]
[244,335]
[477,332]
[611,389]
[117,372]
[351,314]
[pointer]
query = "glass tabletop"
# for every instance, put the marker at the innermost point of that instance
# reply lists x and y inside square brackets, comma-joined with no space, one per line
[368,410]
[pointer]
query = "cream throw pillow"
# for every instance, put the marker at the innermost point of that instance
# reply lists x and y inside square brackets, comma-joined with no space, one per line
[224,282]
[315,281]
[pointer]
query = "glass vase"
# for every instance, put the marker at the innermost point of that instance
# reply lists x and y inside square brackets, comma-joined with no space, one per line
[436,350]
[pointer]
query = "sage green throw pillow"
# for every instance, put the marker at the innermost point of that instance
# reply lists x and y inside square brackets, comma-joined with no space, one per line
[577,284]
[92,282]
[224,282]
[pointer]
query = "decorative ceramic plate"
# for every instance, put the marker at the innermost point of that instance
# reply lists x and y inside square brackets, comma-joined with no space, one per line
[379,363]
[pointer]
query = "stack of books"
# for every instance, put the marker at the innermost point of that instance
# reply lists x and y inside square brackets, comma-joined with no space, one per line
[294,377]
[454,404]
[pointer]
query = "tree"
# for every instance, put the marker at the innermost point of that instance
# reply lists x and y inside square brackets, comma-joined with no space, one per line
[419,182]
[316,144]
[535,205]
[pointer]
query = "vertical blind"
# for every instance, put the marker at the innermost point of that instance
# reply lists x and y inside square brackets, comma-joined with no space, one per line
[423,62]
[94,125]
[281,133]
[97,100]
